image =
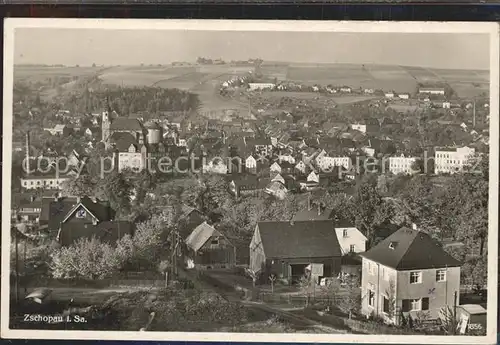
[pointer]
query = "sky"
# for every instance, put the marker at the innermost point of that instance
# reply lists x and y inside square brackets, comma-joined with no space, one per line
[133,47]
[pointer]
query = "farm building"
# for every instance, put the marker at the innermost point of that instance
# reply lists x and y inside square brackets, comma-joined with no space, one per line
[208,248]
[432,90]
[286,249]
[261,86]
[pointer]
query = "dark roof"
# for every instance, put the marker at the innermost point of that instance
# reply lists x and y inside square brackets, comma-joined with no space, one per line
[413,250]
[248,182]
[304,239]
[54,212]
[124,142]
[126,124]
[108,231]
[200,236]
[313,214]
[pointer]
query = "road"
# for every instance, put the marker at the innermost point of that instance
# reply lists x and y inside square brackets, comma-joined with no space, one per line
[236,296]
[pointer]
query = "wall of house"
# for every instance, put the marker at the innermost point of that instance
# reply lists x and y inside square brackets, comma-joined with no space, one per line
[216,254]
[132,160]
[74,219]
[281,267]
[440,294]
[257,256]
[354,237]
[382,281]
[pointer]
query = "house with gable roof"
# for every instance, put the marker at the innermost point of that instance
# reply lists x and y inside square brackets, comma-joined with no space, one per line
[208,248]
[413,272]
[89,218]
[287,248]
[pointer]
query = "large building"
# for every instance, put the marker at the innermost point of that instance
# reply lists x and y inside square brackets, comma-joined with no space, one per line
[134,144]
[407,273]
[402,165]
[451,160]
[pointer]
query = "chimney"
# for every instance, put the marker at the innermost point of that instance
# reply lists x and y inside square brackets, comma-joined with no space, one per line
[27,153]
[414,226]
[78,199]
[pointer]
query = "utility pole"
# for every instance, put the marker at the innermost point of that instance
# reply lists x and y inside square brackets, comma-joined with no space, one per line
[455,297]
[474,115]
[17,266]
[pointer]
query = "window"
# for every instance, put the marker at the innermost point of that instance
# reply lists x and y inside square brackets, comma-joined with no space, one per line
[371,267]
[440,276]
[415,277]
[81,213]
[215,241]
[416,304]
[425,303]
[344,233]
[371,298]
[385,305]
[352,248]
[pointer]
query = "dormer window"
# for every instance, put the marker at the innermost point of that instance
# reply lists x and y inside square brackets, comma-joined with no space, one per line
[81,213]
[344,234]
[393,245]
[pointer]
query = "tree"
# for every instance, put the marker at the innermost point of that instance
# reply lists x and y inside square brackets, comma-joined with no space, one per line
[330,290]
[116,189]
[350,303]
[391,297]
[370,211]
[306,285]
[253,275]
[449,320]
[79,186]
[87,259]
[272,279]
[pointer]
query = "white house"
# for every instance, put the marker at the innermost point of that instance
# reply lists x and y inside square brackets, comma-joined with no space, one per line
[130,159]
[261,86]
[369,151]
[369,91]
[404,96]
[446,105]
[402,165]
[346,89]
[250,162]
[463,125]
[326,163]
[215,166]
[275,167]
[278,178]
[389,94]
[44,181]
[301,167]
[432,90]
[286,158]
[451,160]
[351,240]
[359,127]
[313,177]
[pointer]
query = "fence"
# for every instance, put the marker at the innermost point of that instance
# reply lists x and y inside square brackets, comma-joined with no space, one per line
[292,299]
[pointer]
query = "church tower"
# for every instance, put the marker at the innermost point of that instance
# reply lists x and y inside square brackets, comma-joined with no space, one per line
[106,122]
[105,126]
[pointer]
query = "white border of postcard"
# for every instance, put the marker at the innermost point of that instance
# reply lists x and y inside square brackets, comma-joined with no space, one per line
[231,25]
